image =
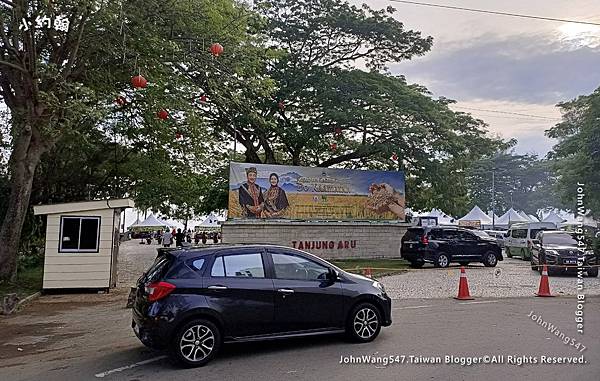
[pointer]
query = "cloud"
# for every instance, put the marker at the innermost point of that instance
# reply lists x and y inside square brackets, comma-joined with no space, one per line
[526,68]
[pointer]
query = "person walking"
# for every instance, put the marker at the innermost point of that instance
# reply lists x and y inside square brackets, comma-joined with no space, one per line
[179,238]
[167,237]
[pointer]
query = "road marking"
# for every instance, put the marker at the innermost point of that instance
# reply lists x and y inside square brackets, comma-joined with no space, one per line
[412,307]
[481,302]
[116,370]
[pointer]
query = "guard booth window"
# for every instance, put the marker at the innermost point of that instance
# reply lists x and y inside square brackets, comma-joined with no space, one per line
[79,234]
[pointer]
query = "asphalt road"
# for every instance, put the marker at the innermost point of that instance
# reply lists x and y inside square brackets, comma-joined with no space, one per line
[429,327]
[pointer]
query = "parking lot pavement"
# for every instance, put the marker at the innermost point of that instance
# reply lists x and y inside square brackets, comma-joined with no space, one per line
[103,346]
[510,278]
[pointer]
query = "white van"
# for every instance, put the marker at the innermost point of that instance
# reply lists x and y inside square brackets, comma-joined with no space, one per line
[519,236]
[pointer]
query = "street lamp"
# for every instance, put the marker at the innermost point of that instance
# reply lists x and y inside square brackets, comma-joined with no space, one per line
[493,198]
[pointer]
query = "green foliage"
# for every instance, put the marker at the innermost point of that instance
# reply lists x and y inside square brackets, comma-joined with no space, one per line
[577,154]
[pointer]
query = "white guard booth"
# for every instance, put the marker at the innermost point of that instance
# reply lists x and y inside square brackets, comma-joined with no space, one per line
[82,243]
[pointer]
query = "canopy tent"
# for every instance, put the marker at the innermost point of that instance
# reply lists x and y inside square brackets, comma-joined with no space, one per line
[510,217]
[533,218]
[524,215]
[137,222]
[476,214]
[211,222]
[553,217]
[490,214]
[150,222]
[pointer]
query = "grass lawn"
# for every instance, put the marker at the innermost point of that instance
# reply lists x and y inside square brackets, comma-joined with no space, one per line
[29,281]
[379,266]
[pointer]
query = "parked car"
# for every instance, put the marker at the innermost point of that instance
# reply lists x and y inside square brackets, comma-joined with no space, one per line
[443,245]
[192,300]
[499,235]
[560,251]
[519,238]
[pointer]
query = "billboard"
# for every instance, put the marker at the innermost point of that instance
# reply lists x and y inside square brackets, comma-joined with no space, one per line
[279,191]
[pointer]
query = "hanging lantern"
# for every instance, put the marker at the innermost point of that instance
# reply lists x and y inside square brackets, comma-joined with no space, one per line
[178,135]
[333,146]
[163,114]
[203,98]
[139,82]
[281,105]
[121,101]
[394,157]
[338,131]
[216,49]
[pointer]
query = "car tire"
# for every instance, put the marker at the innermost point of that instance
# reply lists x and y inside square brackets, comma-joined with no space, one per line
[416,264]
[490,259]
[464,263]
[592,272]
[441,260]
[533,265]
[364,323]
[508,253]
[196,343]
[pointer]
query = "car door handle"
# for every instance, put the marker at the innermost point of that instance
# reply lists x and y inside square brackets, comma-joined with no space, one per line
[217,287]
[285,291]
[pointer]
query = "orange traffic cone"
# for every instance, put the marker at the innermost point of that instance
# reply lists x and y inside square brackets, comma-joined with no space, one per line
[463,286]
[544,289]
[368,272]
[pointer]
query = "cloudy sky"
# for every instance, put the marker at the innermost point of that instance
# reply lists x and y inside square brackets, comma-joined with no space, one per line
[504,64]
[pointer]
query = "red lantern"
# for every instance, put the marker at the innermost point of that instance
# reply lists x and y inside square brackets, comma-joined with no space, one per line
[395,157]
[338,131]
[139,82]
[178,135]
[281,105]
[333,146]
[216,49]
[163,114]
[203,99]
[121,101]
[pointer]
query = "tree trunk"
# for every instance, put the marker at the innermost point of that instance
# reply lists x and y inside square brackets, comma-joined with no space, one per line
[23,162]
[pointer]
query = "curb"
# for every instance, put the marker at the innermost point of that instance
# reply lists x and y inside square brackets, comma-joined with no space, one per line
[29,298]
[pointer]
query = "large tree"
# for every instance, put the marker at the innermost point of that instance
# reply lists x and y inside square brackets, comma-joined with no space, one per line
[522,182]
[577,153]
[61,84]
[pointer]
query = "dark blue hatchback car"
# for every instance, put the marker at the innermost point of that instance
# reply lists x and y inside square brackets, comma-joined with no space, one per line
[192,300]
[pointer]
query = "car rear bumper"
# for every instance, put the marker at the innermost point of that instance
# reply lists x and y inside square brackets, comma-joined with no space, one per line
[152,333]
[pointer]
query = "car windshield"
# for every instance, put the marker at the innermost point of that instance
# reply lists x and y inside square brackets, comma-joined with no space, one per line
[480,233]
[559,239]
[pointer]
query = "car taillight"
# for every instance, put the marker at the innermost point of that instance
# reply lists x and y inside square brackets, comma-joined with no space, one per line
[159,290]
[424,240]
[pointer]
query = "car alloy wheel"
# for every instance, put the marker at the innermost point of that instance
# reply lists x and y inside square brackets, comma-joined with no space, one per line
[442,260]
[490,259]
[197,343]
[364,323]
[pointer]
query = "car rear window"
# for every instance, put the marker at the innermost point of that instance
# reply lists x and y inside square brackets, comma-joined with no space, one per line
[158,269]
[413,234]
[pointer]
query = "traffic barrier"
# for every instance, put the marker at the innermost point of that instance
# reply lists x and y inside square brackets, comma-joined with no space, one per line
[544,289]
[463,286]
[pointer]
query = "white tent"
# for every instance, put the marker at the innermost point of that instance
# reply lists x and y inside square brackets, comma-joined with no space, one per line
[150,222]
[510,217]
[533,218]
[476,214]
[524,215]
[137,222]
[210,222]
[443,218]
[553,217]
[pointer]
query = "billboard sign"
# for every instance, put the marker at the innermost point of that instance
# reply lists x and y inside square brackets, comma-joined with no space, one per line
[305,193]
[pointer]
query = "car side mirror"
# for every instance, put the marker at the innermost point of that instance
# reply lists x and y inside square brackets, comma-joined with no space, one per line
[332,275]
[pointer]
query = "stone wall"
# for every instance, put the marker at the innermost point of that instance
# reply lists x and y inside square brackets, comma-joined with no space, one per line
[325,239]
